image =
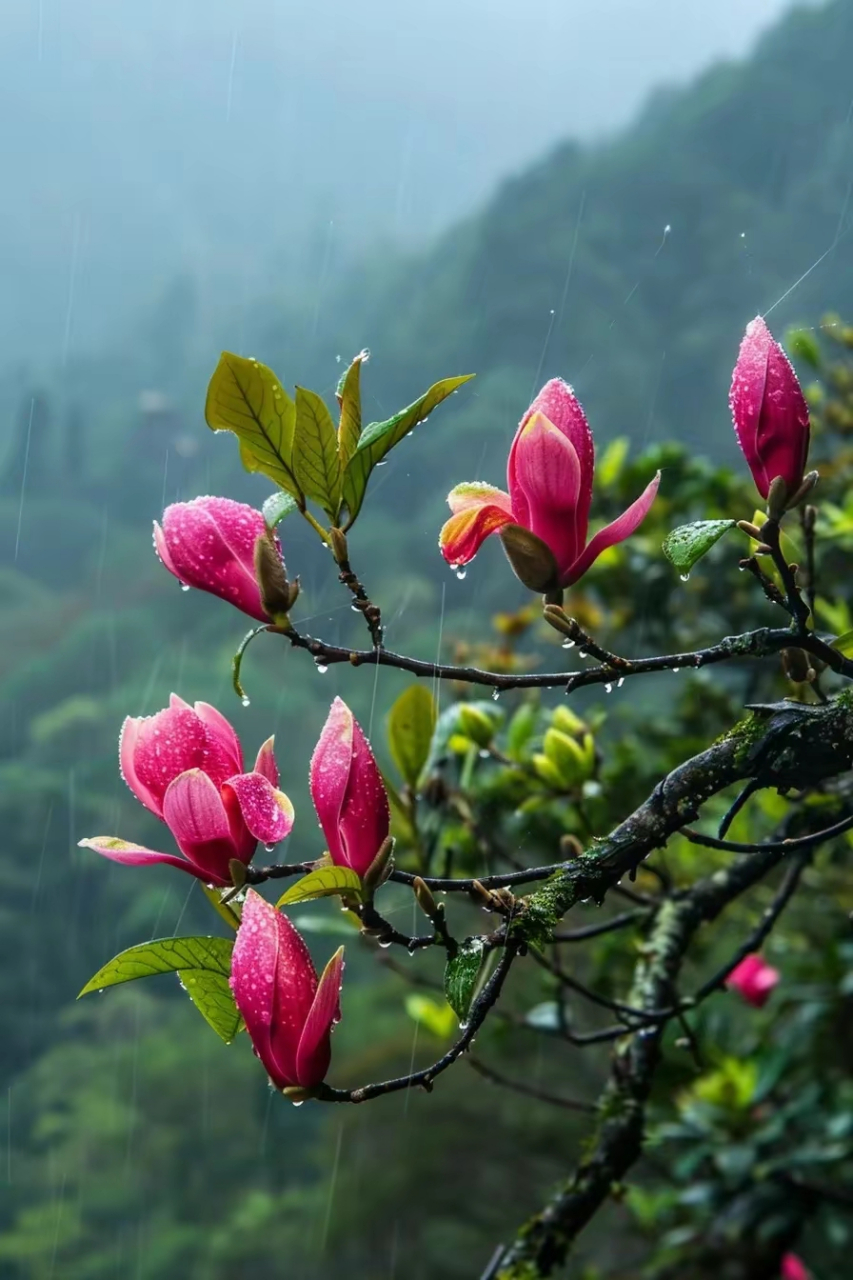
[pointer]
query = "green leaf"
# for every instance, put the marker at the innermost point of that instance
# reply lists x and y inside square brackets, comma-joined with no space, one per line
[379,437]
[322,883]
[316,462]
[609,466]
[349,394]
[212,996]
[687,544]
[411,722]
[230,912]
[277,506]
[844,644]
[203,966]
[438,1019]
[460,976]
[803,345]
[246,397]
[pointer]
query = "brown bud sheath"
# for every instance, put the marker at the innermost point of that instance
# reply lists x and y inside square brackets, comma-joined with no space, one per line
[797,666]
[777,499]
[278,595]
[531,559]
[381,866]
[425,898]
[338,543]
[809,482]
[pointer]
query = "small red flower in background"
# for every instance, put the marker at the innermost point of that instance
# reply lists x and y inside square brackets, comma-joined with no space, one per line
[793,1268]
[754,980]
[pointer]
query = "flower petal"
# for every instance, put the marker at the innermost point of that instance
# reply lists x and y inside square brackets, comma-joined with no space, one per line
[165,745]
[210,544]
[329,773]
[265,762]
[545,481]
[365,817]
[136,855]
[474,493]
[463,534]
[315,1050]
[617,531]
[126,750]
[561,406]
[769,411]
[223,743]
[193,809]
[266,812]
[274,984]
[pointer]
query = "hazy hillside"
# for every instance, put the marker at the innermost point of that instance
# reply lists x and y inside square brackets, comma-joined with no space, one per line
[630,268]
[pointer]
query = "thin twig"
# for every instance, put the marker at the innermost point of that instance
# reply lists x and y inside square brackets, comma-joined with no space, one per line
[529,1090]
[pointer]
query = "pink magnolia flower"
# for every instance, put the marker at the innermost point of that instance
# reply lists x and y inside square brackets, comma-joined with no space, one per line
[793,1268]
[348,792]
[289,1014]
[185,764]
[770,414]
[209,543]
[549,476]
[753,979]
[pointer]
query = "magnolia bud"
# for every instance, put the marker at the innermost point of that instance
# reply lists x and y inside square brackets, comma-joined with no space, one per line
[531,559]
[777,499]
[797,666]
[338,543]
[278,595]
[476,724]
[809,482]
[381,866]
[425,898]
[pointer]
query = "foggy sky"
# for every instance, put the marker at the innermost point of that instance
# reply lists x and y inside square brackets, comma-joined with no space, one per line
[209,135]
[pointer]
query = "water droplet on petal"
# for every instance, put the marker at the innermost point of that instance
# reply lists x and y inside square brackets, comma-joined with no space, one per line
[185,586]
[460,573]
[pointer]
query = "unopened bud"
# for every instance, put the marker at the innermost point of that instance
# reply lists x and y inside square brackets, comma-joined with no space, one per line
[476,724]
[556,617]
[426,900]
[567,721]
[752,530]
[570,847]
[777,498]
[809,482]
[797,666]
[809,518]
[532,560]
[380,868]
[278,595]
[482,893]
[338,543]
[297,1094]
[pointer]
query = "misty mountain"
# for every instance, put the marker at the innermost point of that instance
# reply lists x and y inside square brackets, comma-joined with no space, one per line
[239,143]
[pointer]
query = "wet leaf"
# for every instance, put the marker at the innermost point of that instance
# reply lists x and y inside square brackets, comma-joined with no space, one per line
[229,911]
[461,974]
[379,437]
[277,507]
[438,1019]
[203,966]
[411,722]
[322,883]
[316,462]
[349,395]
[246,397]
[687,544]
